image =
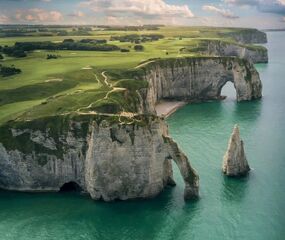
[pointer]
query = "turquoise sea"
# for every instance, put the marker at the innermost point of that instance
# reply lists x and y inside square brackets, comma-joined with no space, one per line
[251,208]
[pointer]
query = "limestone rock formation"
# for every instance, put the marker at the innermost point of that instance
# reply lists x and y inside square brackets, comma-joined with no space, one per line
[108,161]
[199,79]
[235,163]
[220,48]
[247,36]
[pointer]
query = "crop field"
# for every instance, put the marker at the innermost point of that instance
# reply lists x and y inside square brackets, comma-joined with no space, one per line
[62,81]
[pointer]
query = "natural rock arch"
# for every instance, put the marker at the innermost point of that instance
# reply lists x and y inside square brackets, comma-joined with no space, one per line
[199,79]
[189,175]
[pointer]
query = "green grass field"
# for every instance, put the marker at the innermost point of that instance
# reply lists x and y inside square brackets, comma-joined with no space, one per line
[74,82]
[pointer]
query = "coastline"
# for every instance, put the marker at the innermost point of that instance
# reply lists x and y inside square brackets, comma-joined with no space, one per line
[165,109]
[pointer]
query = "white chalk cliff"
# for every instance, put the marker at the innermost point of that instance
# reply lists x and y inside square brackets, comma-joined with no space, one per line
[199,79]
[108,161]
[235,163]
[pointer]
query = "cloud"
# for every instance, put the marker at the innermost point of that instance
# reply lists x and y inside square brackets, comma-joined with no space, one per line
[223,12]
[276,6]
[141,8]
[38,15]
[77,14]
[3,19]
[243,2]
[266,6]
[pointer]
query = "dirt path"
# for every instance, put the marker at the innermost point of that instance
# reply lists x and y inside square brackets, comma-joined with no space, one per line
[143,64]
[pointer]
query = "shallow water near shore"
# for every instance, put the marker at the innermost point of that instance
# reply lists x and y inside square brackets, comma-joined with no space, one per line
[250,208]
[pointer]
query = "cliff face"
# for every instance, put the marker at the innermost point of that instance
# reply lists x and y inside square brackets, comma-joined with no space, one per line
[247,36]
[108,161]
[193,79]
[252,54]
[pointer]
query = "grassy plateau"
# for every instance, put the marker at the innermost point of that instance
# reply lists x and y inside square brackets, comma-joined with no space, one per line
[84,81]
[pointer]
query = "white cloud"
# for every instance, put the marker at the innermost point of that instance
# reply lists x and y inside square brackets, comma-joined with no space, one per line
[243,2]
[223,12]
[142,8]
[3,19]
[77,14]
[38,15]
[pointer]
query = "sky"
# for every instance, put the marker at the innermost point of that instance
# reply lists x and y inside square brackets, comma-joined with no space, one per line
[262,14]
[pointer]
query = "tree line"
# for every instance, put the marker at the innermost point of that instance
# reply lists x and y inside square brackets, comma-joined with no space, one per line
[20,48]
[135,38]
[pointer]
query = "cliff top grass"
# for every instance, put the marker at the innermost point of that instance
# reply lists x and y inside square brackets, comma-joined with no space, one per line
[78,81]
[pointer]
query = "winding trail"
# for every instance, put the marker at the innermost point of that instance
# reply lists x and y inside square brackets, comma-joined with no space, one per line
[123,114]
[143,64]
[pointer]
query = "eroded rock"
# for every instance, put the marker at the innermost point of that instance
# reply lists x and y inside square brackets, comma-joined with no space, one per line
[199,79]
[235,163]
[108,161]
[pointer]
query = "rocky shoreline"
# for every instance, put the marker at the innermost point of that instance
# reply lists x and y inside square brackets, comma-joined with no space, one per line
[165,109]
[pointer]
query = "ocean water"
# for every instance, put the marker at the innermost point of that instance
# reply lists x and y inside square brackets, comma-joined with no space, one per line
[252,208]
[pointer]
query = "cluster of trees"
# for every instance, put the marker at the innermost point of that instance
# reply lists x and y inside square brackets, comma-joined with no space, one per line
[13,52]
[139,48]
[20,48]
[95,41]
[65,45]
[9,71]
[132,28]
[39,30]
[52,56]
[86,40]
[72,33]
[16,32]
[125,50]
[135,38]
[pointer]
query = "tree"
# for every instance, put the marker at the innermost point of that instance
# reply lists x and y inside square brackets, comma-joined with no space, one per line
[139,47]
[8,71]
[18,53]
[125,50]
[51,56]
[1,57]
[68,41]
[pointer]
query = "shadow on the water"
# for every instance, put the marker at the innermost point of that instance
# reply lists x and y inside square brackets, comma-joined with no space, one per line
[234,189]
[145,219]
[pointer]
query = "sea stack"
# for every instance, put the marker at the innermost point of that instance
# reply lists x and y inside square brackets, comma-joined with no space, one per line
[235,163]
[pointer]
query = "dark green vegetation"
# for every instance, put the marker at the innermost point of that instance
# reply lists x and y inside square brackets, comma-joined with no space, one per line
[8,71]
[139,47]
[135,38]
[20,48]
[45,31]
[52,56]
[100,68]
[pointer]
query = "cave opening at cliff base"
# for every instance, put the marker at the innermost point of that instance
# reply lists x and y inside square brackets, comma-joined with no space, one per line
[70,187]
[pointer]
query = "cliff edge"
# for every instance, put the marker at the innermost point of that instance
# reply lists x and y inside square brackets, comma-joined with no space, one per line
[107,160]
